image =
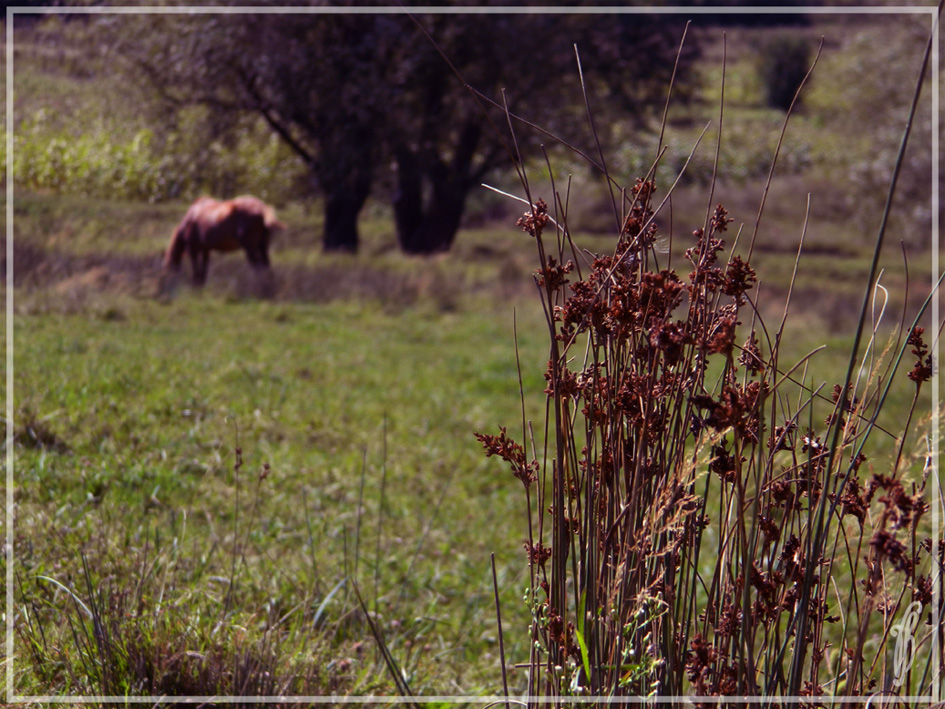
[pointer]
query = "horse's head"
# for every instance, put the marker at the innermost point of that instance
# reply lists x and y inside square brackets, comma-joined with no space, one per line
[269,217]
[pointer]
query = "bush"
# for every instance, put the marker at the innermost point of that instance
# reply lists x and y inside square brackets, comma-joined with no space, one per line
[108,161]
[691,507]
[783,63]
[706,517]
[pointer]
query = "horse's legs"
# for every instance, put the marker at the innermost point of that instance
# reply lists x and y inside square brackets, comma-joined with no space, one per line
[259,261]
[194,262]
[201,262]
[262,256]
[205,266]
[257,255]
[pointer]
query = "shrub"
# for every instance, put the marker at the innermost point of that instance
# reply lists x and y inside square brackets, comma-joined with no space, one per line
[693,515]
[704,518]
[107,161]
[783,63]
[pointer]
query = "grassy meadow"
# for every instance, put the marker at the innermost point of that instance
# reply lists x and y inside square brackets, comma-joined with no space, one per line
[224,494]
[131,442]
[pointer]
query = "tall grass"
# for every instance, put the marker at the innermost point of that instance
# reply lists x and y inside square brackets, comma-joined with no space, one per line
[706,518]
[150,625]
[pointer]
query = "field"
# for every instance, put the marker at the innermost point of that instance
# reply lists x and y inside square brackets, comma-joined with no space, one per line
[219,493]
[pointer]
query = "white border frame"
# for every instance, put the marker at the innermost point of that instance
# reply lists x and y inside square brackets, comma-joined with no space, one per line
[13,11]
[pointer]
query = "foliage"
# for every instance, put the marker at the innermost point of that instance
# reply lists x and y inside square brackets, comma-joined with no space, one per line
[741,163]
[384,95]
[783,62]
[124,440]
[873,95]
[148,166]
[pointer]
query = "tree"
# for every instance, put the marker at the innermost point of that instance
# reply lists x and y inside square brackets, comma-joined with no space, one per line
[323,86]
[441,142]
[444,141]
[353,92]
[318,82]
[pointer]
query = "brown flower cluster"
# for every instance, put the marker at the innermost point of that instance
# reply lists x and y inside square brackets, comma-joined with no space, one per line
[737,407]
[512,453]
[639,230]
[922,370]
[706,272]
[751,357]
[554,275]
[534,221]
[901,509]
[708,670]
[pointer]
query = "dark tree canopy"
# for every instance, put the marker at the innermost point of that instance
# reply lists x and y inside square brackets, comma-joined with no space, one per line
[370,100]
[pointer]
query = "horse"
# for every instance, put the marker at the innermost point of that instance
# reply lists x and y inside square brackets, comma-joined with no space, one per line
[209,225]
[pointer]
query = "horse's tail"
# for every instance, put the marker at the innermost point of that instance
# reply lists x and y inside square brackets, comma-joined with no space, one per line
[175,249]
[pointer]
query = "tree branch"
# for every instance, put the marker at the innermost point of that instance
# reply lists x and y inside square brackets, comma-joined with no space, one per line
[260,105]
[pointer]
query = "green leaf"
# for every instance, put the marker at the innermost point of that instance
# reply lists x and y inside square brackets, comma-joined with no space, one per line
[579,632]
[584,661]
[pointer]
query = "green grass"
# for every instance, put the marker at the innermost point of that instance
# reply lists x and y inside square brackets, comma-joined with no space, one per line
[129,410]
[130,423]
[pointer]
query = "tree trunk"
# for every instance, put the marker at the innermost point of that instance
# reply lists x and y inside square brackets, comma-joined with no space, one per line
[408,196]
[434,228]
[341,222]
[344,171]
[427,223]
[345,195]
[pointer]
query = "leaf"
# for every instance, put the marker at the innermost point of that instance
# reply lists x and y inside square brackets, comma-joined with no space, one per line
[584,661]
[579,632]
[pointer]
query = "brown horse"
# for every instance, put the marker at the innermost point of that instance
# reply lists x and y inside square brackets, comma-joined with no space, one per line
[212,225]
